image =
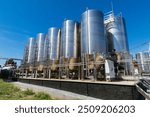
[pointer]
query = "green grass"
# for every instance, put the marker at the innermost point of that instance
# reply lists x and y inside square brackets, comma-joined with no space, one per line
[10,92]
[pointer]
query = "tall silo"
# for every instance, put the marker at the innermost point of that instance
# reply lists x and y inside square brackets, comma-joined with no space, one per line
[93,42]
[92,32]
[117,39]
[25,55]
[116,33]
[46,49]
[39,47]
[54,37]
[71,39]
[29,51]
[71,43]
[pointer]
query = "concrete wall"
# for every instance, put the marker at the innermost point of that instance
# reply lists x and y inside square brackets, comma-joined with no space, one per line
[97,90]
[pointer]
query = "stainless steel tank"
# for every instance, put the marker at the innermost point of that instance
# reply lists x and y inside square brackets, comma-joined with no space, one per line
[31,50]
[54,37]
[70,39]
[39,47]
[92,32]
[25,55]
[117,35]
[46,49]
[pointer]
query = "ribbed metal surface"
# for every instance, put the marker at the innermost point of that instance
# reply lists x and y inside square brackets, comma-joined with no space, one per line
[31,50]
[54,36]
[46,49]
[40,47]
[70,39]
[143,60]
[92,32]
[117,36]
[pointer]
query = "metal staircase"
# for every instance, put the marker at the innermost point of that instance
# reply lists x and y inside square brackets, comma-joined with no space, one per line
[143,87]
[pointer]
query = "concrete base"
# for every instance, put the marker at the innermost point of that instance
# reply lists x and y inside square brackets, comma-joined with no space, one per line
[103,90]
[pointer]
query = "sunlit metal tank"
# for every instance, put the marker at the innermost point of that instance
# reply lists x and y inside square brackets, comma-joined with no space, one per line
[71,38]
[92,32]
[40,47]
[31,50]
[116,34]
[46,49]
[71,42]
[93,41]
[25,55]
[54,36]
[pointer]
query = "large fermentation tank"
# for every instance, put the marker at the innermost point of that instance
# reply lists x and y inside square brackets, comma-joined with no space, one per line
[93,42]
[25,55]
[54,36]
[92,32]
[71,39]
[39,47]
[71,43]
[46,49]
[116,34]
[117,38]
[29,51]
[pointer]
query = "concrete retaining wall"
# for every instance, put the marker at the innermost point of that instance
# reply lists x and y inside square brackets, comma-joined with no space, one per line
[97,90]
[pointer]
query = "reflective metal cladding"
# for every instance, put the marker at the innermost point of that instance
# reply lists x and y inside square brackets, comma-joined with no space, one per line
[40,47]
[46,49]
[92,32]
[54,36]
[29,51]
[117,35]
[71,39]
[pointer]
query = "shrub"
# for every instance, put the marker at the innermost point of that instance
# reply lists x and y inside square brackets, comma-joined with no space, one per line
[42,96]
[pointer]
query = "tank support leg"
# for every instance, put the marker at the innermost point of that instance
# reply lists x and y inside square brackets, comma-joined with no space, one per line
[36,72]
[26,74]
[22,73]
[44,73]
[79,72]
[49,74]
[95,71]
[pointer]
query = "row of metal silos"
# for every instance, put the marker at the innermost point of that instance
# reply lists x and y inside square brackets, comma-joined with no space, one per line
[72,40]
[75,41]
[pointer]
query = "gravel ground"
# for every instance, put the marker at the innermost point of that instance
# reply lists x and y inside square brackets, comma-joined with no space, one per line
[55,93]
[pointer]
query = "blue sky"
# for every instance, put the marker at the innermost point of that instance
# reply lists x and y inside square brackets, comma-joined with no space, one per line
[21,19]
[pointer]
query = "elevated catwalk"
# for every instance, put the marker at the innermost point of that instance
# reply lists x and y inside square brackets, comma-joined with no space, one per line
[116,90]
